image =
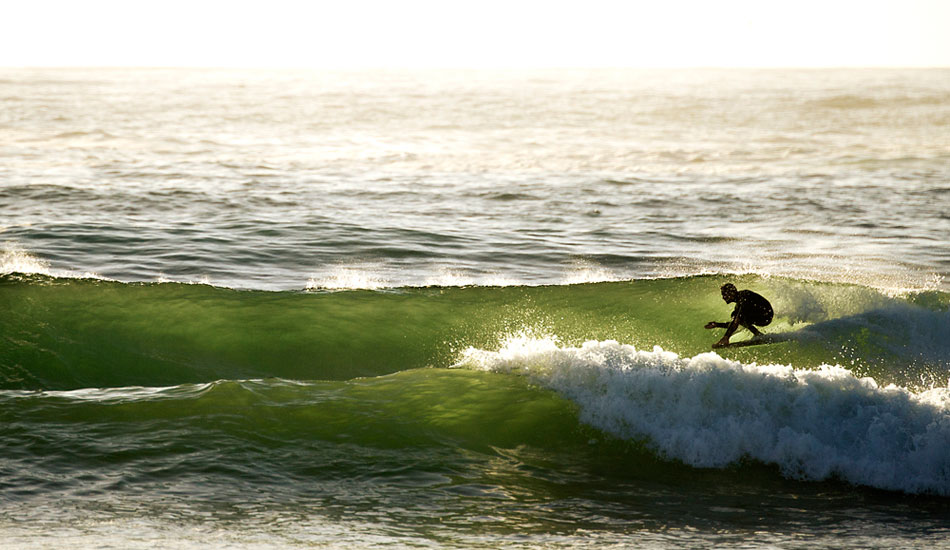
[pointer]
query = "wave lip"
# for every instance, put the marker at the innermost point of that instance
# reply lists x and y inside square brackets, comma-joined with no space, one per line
[708,411]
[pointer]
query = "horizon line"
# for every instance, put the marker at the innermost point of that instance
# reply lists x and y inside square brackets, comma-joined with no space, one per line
[477,68]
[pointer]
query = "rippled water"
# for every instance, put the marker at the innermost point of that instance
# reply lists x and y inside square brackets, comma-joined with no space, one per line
[277,179]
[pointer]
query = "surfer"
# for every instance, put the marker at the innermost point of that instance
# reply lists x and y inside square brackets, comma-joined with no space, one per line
[751,310]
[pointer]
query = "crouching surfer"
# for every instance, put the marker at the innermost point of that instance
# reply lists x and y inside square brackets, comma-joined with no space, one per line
[751,310]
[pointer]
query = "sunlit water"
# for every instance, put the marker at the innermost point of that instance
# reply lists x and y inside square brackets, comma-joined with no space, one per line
[277,179]
[560,225]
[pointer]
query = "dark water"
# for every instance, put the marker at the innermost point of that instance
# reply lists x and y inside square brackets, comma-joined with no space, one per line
[436,309]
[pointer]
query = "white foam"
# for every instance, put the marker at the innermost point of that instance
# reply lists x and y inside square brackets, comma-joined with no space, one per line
[14,259]
[708,411]
[447,277]
[582,272]
[350,277]
[370,276]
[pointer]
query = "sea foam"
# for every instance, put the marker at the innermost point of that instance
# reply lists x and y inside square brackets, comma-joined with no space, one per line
[14,259]
[708,411]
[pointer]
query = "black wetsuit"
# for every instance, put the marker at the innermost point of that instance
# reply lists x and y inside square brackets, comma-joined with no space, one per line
[752,309]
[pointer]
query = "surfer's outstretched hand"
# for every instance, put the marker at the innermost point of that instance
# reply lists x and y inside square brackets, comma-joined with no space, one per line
[710,324]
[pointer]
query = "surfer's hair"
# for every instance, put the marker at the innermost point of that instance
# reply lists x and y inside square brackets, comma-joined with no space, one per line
[728,287]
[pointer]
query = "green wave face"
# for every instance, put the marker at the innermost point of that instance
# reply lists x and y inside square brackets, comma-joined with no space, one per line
[417,409]
[457,441]
[60,334]
[404,439]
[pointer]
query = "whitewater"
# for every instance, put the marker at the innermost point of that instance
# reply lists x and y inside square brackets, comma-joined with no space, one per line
[457,309]
[711,412]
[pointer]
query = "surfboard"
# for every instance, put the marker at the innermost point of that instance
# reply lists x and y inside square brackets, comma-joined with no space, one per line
[756,341]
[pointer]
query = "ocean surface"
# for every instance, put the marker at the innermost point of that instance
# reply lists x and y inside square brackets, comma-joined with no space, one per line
[464,309]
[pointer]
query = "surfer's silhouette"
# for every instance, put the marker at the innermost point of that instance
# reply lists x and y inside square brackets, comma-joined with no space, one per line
[751,310]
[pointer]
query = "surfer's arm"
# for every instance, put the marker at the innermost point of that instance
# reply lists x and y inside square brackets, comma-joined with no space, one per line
[732,325]
[730,329]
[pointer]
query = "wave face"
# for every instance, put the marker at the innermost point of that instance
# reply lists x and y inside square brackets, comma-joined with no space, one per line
[62,334]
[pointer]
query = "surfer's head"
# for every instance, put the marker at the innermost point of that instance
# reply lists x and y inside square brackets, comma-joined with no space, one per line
[729,292]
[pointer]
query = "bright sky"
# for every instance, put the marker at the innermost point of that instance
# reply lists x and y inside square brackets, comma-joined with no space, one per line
[484,33]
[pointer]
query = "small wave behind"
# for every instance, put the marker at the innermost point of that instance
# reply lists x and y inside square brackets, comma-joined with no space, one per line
[349,277]
[712,412]
[376,276]
[14,259]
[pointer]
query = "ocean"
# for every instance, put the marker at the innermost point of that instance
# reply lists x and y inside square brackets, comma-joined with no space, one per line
[264,309]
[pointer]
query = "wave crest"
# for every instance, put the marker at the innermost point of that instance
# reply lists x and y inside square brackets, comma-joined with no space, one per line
[14,259]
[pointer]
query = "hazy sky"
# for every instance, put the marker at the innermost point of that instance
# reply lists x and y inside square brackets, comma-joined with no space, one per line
[486,33]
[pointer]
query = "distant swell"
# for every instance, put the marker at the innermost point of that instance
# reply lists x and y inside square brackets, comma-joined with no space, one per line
[712,412]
